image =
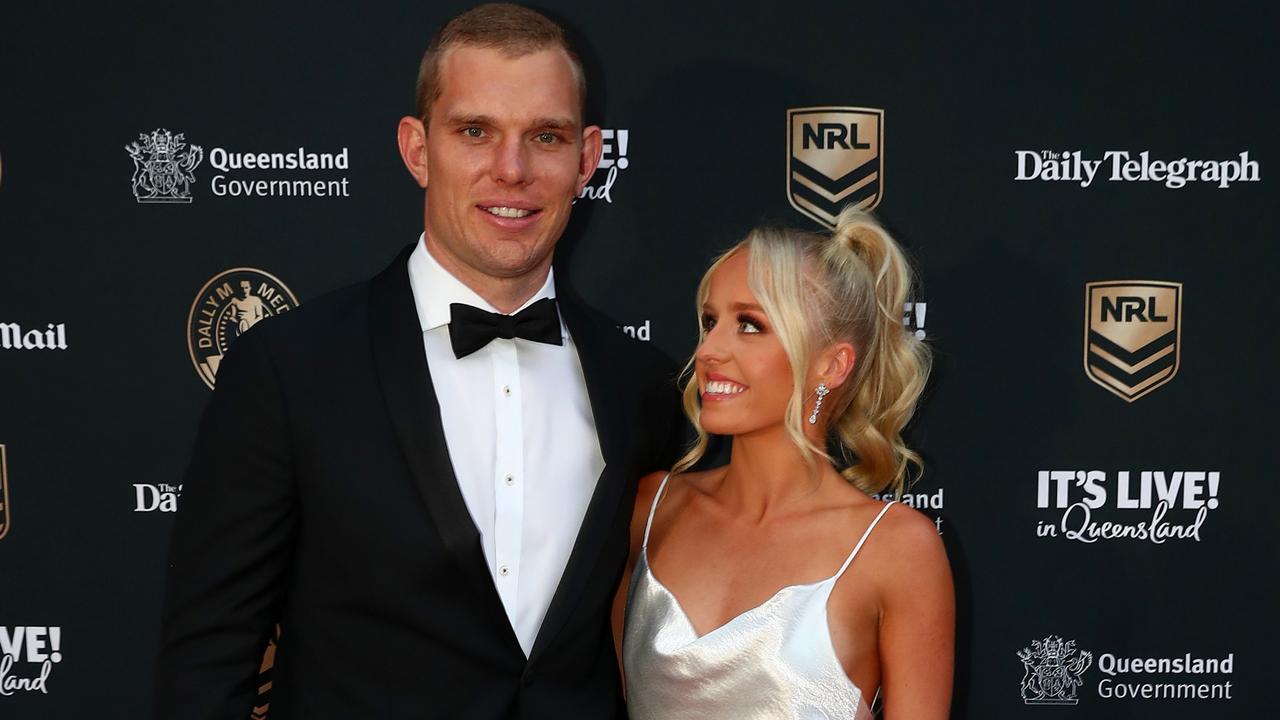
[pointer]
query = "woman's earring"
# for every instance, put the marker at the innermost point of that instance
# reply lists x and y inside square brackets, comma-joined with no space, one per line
[822,391]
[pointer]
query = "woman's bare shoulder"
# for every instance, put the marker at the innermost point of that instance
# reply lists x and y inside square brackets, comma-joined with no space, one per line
[907,553]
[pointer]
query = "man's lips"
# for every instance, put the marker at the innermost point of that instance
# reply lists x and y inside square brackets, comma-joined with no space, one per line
[510,215]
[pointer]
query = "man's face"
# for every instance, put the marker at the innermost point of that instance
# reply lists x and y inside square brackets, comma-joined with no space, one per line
[505,157]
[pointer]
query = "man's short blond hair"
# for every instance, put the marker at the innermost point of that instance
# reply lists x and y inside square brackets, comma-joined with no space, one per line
[512,29]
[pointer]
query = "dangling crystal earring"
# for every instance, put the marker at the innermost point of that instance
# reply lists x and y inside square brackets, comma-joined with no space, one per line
[822,391]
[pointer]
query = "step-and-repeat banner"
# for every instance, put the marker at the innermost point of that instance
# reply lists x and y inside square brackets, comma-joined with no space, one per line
[1089,197]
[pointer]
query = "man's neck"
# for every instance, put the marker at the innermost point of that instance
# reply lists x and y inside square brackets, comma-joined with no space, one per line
[506,295]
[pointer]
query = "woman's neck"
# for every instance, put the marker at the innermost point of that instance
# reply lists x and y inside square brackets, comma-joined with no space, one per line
[767,475]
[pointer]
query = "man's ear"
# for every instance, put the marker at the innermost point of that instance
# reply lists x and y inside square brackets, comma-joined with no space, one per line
[412,138]
[836,364]
[592,146]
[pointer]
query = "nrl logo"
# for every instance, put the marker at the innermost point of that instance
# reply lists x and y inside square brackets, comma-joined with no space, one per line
[162,167]
[1052,670]
[1132,334]
[263,702]
[835,158]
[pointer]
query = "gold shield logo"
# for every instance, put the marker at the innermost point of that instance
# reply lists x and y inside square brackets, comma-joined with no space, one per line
[835,158]
[225,308]
[1132,335]
[4,494]
[263,702]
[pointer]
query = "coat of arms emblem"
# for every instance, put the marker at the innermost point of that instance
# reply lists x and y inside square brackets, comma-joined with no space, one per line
[835,157]
[163,166]
[1052,670]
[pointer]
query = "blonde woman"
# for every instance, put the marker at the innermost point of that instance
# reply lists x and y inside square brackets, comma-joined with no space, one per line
[775,586]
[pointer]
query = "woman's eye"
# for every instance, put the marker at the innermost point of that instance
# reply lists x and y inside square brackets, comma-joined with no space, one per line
[749,326]
[708,322]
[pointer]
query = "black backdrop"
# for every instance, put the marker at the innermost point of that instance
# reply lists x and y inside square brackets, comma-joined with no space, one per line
[94,434]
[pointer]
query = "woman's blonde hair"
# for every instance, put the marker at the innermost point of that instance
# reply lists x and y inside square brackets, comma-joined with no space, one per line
[849,286]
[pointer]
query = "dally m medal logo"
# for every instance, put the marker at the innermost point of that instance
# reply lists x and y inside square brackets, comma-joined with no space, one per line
[225,308]
[4,494]
[1132,335]
[1052,671]
[163,166]
[835,158]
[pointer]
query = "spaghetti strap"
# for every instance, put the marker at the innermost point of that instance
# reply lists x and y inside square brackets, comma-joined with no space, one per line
[653,508]
[861,540]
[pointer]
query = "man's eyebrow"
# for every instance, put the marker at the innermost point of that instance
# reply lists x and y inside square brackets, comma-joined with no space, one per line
[547,123]
[468,119]
[555,123]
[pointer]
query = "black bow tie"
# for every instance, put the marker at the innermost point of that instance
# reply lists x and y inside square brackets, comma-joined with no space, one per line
[471,328]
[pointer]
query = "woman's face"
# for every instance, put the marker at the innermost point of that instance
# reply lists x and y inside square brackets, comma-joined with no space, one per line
[744,376]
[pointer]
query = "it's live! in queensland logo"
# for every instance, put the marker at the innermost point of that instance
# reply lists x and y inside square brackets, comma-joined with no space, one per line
[27,656]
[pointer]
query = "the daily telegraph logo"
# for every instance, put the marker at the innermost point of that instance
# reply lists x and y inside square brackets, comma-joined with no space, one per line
[613,159]
[835,158]
[165,163]
[160,497]
[13,336]
[226,307]
[1052,671]
[1073,166]
[1153,506]
[27,657]
[4,493]
[1132,335]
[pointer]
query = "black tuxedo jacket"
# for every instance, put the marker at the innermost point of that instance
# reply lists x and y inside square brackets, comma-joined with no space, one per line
[320,495]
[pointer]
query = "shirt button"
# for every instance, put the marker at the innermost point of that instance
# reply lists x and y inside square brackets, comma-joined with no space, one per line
[503,570]
[506,390]
[509,480]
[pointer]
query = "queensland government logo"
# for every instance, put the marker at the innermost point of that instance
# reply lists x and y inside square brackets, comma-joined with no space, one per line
[4,494]
[1052,671]
[163,167]
[835,158]
[1132,334]
[225,308]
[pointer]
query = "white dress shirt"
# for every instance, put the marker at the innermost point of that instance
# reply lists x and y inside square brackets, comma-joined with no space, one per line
[518,424]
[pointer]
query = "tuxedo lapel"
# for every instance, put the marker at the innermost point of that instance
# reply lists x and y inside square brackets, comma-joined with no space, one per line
[401,362]
[600,370]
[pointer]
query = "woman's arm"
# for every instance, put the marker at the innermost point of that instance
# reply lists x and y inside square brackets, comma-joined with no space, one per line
[917,624]
[648,487]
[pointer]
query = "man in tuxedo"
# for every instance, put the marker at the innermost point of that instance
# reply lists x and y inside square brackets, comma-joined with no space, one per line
[427,479]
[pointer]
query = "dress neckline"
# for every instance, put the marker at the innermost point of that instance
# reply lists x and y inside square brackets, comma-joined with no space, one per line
[644,556]
[644,552]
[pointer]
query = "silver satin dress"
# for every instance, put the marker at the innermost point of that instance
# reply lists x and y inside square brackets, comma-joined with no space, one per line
[774,661]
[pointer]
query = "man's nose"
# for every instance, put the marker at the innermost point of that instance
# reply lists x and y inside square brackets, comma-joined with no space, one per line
[511,161]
